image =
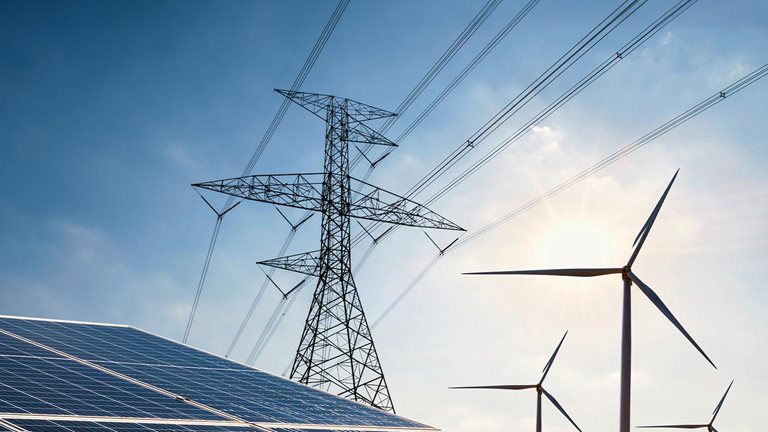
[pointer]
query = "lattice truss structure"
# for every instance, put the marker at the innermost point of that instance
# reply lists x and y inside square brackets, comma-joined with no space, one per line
[336,352]
[58,376]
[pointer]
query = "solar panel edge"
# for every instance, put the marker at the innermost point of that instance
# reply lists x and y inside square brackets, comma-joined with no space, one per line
[127,378]
[426,427]
[56,320]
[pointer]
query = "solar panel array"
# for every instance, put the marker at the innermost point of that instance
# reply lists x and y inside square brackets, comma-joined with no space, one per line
[58,376]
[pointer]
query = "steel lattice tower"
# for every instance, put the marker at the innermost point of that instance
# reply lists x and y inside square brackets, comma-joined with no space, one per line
[336,352]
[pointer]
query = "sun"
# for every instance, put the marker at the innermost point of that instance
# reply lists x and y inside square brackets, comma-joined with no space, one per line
[576,242]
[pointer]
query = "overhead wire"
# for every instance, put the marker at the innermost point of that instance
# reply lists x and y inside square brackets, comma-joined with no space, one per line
[656,133]
[455,46]
[259,294]
[575,89]
[567,60]
[201,282]
[479,57]
[282,307]
[561,65]
[259,150]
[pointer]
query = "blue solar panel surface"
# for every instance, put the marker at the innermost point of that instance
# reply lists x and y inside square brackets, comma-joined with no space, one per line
[80,426]
[34,380]
[247,393]
[103,343]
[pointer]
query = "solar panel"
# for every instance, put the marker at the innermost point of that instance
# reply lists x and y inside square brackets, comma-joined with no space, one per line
[81,426]
[33,380]
[103,343]
[55,368]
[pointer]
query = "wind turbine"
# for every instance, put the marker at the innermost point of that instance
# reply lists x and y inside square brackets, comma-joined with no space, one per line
[539,390]
[709,426]
[628,278]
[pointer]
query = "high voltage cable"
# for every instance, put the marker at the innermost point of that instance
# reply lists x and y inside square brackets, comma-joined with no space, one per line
[584,45]
[285,303]
[259,294]
[588,79]
[626,150]
[605,162]
[500,35]
[577,88]
[308,64]
[297,83]
[476,22]
[201,282]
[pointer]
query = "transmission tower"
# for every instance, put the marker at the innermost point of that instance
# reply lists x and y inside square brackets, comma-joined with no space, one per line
[336,352]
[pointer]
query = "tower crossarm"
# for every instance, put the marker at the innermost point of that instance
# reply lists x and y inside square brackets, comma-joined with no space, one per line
[317,103]
[376,204]
[307,263]
[360,133]
[302,191]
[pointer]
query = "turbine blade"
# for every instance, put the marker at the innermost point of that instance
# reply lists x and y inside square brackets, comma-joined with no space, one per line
[560,408]
[656,300]
[498,387]
[642,230]
[588,272]
[649,223]
[717,409]
[545,371]
[687,426]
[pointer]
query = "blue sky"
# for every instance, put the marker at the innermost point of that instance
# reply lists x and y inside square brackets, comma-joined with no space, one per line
[109,110]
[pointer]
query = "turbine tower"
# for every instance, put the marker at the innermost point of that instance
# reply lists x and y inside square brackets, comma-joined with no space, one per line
[336,352]
[628,278]
[539,390]
[708,426]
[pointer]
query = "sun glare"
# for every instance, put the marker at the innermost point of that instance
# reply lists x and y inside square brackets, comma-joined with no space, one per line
[576,243]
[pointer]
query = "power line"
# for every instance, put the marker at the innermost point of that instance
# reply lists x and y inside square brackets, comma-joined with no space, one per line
[584,45]
[467,69]
[626,150]
[574,90]
[605,162]
[259,294]
[228,205]
[476,22]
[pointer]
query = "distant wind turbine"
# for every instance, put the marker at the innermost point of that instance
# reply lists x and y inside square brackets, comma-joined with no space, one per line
[709,426]
[626,327]
[539,390]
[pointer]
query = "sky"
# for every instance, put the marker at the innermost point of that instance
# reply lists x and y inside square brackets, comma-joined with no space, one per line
[110,110]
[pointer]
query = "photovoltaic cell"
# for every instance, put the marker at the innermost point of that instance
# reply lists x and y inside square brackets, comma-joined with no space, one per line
[239,390]
[34,380]
[80,426]
[102,343]
[260,397]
